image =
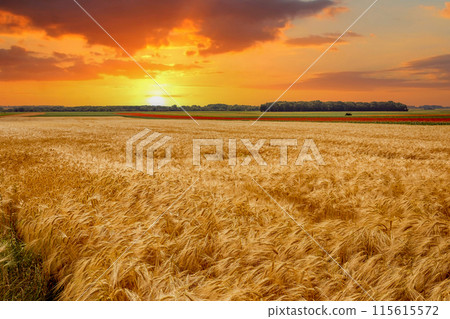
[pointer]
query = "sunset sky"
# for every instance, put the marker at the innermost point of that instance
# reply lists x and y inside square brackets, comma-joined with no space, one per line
[223,51]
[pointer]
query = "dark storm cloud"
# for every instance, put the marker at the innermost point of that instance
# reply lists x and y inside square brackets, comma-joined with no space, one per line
[231,25]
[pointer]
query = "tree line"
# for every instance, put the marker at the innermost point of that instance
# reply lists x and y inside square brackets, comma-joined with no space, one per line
[319,106]
[129,108]
[300,106]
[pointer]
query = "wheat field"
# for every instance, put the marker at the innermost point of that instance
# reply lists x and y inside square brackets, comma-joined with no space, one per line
[380,207]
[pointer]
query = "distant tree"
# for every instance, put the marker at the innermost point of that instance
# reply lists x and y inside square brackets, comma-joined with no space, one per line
[319,106]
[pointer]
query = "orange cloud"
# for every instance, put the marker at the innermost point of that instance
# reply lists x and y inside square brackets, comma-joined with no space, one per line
[331,12]
[190,53]
[19,64]
[312,40]
[11,23]
[445,13]
[319,40]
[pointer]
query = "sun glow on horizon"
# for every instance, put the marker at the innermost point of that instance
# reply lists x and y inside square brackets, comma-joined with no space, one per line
[156,101]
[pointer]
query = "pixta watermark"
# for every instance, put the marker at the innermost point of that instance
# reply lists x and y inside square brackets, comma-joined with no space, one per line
[148,143]
[141,148]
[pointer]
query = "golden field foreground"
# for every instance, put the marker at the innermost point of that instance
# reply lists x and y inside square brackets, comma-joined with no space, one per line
[380,206]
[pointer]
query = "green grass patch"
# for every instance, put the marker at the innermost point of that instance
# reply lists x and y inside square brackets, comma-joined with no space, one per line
[5,114]
[76,114]
[21,273]
[22,276]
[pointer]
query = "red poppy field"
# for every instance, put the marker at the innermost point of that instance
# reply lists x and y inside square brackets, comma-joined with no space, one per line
[326,117]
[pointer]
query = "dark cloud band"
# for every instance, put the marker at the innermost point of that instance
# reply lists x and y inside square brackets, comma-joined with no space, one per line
[230,25]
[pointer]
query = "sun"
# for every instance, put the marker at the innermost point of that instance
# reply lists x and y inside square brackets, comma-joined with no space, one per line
[156,101]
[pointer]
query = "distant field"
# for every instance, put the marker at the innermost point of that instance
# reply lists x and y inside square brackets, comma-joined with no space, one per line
[300,114]
[434,117]
[412,117]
